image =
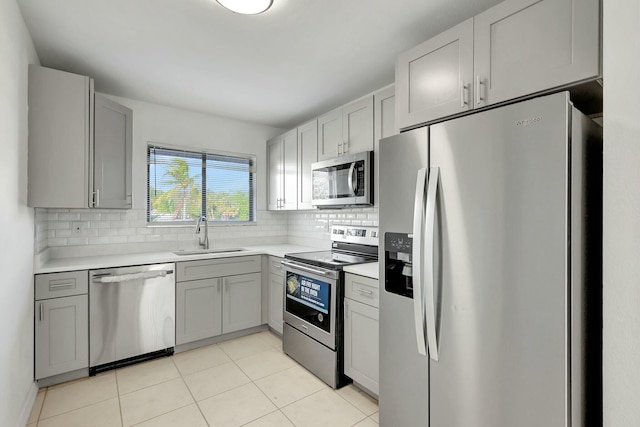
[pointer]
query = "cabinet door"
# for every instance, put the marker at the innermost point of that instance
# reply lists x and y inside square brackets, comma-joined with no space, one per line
[276,301]
[307,155]
[434,79]
[241,302]
[384,125]
[361,342]
[290,177]
[528,46]
[60,133]
[274,153]
[198,310]
[330,135]
[357,126]
[61,335]
[112,154]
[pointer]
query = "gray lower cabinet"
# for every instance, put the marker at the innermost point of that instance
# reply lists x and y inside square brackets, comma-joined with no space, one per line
[198,310]
[276,294]
[217,296]
[361,335]
[241,302]
[61,323]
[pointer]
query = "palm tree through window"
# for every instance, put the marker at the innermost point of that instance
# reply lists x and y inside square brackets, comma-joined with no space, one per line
[183,185]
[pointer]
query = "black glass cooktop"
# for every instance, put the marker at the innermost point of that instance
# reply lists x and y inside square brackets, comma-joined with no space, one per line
[330,259]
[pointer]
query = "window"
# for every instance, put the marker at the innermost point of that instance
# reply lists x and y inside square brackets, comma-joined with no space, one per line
[184,185]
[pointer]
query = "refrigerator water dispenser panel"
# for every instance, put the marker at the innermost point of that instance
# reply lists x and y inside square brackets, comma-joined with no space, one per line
[397,264]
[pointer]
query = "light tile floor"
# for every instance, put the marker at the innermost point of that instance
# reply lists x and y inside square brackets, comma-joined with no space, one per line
[247,381]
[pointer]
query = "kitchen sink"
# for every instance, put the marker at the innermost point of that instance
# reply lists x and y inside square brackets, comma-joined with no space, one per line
[207,251]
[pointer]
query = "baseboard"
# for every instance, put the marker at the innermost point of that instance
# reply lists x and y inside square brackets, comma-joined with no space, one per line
[27,405]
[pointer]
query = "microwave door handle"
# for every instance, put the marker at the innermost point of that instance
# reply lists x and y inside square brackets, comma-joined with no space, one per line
[352,188]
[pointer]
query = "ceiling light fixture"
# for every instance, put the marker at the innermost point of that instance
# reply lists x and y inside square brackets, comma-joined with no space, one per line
[246,7]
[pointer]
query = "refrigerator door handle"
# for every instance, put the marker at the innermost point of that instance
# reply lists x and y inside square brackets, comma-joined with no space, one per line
[430,298]
[418,225]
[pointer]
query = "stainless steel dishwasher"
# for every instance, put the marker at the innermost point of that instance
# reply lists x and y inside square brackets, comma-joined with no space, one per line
[132,315]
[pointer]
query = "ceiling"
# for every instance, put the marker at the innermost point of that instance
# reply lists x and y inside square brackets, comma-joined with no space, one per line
[299,59]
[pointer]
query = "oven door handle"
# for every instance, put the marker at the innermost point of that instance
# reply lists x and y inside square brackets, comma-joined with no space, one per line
[305,268]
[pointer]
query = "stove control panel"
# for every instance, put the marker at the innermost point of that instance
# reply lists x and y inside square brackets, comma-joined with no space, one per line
[355,234]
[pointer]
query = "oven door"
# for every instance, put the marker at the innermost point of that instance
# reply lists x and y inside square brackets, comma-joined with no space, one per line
[310,301]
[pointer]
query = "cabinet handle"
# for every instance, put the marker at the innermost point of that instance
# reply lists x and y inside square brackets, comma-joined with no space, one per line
[479,84]
[131,197]
[339,147]
[61,285]
[365,291]
[97,204]
[41,312]
[345,147]
[463,98]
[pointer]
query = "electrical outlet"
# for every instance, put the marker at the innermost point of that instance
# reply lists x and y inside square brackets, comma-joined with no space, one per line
[76,227]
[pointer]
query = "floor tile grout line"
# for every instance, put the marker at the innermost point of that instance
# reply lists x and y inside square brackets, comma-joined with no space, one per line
[193,397]
[46,389]
[75,409]
[161,415]
[115,373]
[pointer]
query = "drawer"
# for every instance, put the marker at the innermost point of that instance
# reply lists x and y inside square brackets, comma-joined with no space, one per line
[275,266]
[360,288]
[218,267]
[54,285]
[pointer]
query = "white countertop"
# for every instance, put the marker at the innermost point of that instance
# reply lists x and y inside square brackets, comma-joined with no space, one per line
[108,261]
[368,270]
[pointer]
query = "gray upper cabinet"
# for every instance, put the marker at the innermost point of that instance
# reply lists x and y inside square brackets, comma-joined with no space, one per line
[307,155]
[112,154]
[283,171]
[529,46]
[346,130]
[434,79]
[517,48]
[384,108]
[79,150]
[276,173]
[357,126]
[330,135]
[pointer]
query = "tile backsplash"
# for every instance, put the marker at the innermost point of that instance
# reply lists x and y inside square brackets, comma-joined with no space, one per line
[90,232]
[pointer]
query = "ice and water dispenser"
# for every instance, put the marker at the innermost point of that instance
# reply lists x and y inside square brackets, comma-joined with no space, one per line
[397,264]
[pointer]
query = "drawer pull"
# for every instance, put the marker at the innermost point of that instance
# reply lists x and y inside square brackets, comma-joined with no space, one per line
[365,291]
[41,312]
[62,286]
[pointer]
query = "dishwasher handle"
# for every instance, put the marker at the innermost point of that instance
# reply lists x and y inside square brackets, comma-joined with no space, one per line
[131,276]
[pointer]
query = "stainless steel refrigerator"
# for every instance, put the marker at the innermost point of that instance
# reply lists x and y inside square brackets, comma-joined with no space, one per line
[490,267]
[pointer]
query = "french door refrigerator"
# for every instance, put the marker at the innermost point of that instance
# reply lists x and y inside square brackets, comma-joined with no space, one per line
[490,226]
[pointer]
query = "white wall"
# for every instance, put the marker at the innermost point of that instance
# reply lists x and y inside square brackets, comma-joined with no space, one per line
[16,221]
[621,213]
[160,124]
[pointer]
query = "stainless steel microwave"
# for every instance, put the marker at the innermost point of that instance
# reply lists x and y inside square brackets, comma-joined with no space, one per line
[343,181]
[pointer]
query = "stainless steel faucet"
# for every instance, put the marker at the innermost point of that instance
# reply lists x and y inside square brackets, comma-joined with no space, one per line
[204,244]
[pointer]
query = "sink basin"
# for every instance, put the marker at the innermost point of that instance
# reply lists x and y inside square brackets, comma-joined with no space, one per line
[207,251]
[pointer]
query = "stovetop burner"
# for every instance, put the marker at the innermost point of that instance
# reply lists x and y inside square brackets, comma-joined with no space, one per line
[332,260]
[350,245]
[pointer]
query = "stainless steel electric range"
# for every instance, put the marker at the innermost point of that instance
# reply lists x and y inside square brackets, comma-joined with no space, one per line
[313,300]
